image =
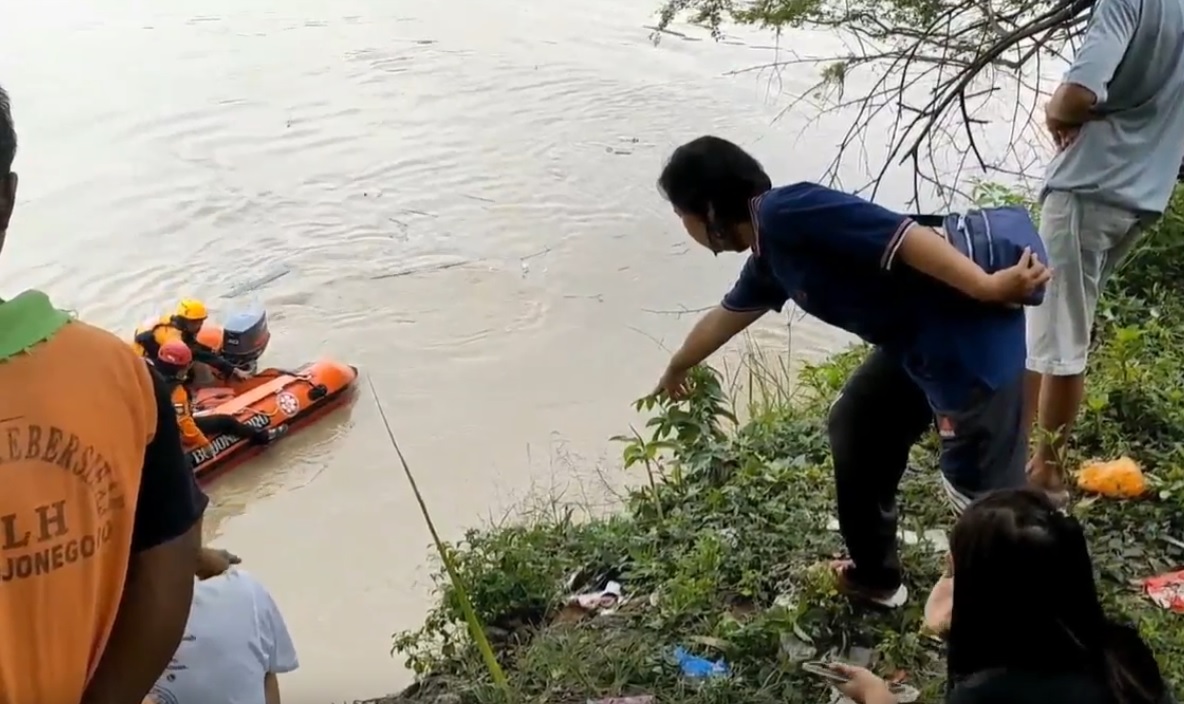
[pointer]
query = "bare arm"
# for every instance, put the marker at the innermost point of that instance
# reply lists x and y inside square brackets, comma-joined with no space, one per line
[271,688]
[710,333]
[159,587]
[205,355]
[1072,104]
[1086,83]
[929,253]
[150,623]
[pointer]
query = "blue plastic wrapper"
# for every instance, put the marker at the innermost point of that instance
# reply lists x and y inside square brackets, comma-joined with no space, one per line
[695,667]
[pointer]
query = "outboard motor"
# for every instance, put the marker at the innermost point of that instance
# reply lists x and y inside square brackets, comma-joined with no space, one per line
[245,337]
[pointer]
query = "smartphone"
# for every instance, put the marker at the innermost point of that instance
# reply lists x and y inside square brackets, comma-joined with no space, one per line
[821,669]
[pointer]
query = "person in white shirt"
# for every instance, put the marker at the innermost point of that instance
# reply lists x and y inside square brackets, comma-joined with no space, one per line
[235,642]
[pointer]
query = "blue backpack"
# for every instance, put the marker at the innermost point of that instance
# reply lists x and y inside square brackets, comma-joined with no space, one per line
[994,238]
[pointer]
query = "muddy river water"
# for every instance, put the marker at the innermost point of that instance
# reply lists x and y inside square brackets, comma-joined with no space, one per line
[462,197]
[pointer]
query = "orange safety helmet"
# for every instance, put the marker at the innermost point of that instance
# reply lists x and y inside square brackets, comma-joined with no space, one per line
[192,310]
[175,353]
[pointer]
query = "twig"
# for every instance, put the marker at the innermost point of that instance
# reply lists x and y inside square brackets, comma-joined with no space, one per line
[475,628]
[680,312]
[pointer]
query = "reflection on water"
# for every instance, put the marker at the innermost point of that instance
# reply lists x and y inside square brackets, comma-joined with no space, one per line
[462,196]
[283,468]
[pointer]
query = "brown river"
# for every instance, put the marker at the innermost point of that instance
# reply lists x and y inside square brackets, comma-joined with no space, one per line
[462,198]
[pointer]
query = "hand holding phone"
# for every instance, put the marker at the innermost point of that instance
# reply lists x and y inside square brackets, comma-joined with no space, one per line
[895,692]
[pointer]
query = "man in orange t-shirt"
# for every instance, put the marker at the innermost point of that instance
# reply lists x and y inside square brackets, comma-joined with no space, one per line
[99,516]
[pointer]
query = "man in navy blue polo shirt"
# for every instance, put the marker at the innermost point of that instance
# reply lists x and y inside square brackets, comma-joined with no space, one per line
[948,336]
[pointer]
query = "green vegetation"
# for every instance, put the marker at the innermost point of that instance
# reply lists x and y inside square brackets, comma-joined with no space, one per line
[721,540]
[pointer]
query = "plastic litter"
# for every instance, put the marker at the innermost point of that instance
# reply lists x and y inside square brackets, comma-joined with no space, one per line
[599,603]
[697,668]
[795,648]
[1166,590]
[1117,479]
[862,657]
[796,644]
[640,699]
[603,600]
[593,577]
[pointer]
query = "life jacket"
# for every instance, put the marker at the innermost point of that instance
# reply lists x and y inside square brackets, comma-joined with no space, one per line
[154,333]
[191,435]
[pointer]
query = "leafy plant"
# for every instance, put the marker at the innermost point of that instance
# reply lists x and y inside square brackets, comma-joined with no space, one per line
[688,428]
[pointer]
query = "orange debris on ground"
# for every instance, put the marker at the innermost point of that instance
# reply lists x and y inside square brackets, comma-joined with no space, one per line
[1117,479]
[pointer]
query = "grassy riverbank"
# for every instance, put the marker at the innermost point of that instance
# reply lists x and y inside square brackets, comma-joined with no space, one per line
[718,550]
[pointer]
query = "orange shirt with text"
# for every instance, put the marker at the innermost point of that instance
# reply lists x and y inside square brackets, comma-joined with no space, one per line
[76,414]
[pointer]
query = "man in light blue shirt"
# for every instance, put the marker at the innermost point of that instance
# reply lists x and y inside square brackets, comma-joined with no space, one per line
[235,644]
[1117,120]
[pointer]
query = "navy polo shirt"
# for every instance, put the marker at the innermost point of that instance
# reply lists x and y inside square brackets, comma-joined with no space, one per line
[834,254]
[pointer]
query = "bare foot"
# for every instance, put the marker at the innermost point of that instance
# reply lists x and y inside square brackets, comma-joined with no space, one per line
[940,606]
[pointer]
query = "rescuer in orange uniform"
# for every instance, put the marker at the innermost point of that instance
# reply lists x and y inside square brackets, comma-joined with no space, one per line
[183,325]
[173,361]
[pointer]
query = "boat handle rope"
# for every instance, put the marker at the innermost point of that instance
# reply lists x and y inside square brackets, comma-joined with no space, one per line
[313,395]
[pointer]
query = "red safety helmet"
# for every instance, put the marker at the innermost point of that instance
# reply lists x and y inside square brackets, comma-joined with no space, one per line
[176,354]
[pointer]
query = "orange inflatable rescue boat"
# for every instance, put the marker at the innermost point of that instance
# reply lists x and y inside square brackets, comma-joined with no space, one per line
[268,398]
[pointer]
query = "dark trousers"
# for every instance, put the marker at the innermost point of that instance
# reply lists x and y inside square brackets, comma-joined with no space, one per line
[879,416]
[219,424]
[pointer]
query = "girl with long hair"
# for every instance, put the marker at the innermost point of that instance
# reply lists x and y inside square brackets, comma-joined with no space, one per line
[1008,640]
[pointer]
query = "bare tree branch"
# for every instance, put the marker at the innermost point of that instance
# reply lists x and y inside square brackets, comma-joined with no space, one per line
[937,67]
